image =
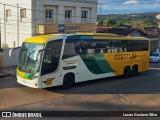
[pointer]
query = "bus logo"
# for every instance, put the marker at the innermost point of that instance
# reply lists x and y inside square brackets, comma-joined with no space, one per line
[49,81]
[61,28]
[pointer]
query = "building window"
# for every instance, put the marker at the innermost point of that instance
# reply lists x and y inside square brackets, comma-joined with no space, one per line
[8,14]
[48,13]
[68,16]
[49,16]
[22,13]
[84,16]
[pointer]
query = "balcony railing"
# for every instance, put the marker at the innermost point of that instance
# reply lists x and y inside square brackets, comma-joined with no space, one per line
[84,20]
[68,20]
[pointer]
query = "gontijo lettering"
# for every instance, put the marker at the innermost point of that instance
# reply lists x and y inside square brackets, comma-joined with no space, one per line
[125,56]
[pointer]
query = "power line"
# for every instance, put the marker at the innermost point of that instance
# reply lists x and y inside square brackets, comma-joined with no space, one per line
[43,11]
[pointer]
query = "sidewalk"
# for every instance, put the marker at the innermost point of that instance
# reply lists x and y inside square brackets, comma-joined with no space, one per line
[8,71]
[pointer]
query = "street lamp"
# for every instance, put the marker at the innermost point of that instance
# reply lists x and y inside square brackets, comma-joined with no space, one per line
[158,19]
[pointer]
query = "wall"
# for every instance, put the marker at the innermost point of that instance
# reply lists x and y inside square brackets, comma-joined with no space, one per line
[62,4]
[10,61]
[154,45]
[1,59]
[5,60]
[13,31]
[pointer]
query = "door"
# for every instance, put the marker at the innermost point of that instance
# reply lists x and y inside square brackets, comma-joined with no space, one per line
[51,60]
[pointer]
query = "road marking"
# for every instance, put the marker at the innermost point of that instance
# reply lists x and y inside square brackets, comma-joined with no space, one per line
[154,68]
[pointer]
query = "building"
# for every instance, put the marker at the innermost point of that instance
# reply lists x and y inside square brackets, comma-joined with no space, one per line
[152,33]
[21,19]
[132,32]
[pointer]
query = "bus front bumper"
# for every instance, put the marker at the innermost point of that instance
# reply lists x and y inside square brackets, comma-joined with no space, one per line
[30,83]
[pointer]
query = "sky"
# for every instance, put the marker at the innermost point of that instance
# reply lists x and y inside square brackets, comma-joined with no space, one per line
[128,6]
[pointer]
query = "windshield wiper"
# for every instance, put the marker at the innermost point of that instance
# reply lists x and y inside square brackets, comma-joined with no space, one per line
[26,61]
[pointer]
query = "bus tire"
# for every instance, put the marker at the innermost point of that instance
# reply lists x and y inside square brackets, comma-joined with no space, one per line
[126,72]
[68,80]
[134,71]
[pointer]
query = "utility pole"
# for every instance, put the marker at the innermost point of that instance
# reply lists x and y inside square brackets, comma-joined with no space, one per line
[17,25]
[4,26]
[100,13]
[100,8]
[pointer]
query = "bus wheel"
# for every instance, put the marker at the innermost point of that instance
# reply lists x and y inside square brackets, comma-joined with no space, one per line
[126,72]
[134,71]
[68,81]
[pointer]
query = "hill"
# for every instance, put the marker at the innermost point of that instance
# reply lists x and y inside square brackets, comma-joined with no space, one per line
[143,19]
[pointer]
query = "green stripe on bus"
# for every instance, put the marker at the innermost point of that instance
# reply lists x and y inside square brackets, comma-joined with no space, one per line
[97,63]
[29,76]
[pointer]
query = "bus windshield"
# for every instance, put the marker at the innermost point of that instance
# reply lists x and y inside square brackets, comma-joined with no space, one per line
[26,57]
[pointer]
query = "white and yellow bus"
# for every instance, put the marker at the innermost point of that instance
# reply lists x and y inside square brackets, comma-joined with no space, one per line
[65,59]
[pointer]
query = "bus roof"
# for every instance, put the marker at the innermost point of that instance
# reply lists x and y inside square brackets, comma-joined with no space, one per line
[42,38]
[45,38]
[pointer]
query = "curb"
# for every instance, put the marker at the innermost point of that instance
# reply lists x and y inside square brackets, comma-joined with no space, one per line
[2,76]
[7,75]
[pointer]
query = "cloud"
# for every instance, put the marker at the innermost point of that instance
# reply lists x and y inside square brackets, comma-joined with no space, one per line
[124,6]
[131,2]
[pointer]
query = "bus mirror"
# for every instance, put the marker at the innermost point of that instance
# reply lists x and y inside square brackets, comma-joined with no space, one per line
[36,55]
[11,51]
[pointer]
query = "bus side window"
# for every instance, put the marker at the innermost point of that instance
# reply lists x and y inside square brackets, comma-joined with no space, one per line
[125,49]
[101,51]
[109,51]
[97,50]
[115,50]
[120,49]
[105,50]
[70,50]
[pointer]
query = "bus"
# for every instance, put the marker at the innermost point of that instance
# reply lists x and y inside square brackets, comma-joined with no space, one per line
[64,59]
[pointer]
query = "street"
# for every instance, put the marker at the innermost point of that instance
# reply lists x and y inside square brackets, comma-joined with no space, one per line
[109,94]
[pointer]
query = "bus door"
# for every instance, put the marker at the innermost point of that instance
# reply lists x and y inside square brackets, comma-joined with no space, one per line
[50,62]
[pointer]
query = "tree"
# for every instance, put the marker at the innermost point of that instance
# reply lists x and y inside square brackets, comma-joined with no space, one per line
[109,22]
[119,24]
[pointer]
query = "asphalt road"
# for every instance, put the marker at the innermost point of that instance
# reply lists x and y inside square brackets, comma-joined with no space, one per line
[109,94]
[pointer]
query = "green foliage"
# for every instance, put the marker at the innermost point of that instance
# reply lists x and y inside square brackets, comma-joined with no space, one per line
[128,23]
[119,24]
[121,20]
[109,22]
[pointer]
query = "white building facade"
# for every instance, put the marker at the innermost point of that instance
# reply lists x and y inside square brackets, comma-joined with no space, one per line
[21,19]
